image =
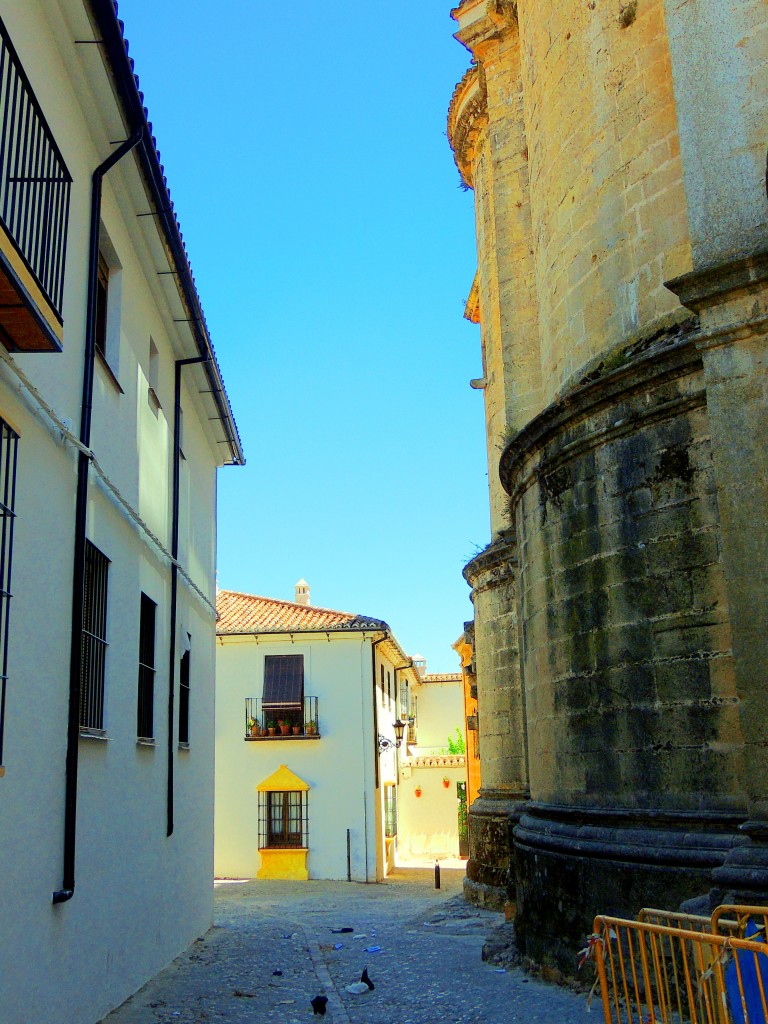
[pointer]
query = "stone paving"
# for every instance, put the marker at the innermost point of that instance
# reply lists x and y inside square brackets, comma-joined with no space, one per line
[273,948]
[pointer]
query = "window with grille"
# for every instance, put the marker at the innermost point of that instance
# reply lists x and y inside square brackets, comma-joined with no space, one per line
[390,811]
[145,717]
[283,694]
[184,678]
[283,819]
[8,445]
[102,291]
[94,638]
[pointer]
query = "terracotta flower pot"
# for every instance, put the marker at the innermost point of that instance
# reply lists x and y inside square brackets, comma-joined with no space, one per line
[417,791]
[446,783]
[285,730]
[297,730]
[271,730]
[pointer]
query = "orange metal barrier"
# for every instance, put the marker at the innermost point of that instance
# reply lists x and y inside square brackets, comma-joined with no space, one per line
[662,974]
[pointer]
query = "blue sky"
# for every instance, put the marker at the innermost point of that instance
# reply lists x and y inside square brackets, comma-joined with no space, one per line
[333,251]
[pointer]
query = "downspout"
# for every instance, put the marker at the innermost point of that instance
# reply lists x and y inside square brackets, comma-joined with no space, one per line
[81,510]
[175,573]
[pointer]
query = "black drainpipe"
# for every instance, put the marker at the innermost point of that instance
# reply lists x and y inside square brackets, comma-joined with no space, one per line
[81,509]
[175,572]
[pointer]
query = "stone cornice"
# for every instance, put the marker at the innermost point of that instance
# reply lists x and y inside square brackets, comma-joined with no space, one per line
[716,285]
[483,23]
[493,565]
[467,120]
[635,375]
[472,308]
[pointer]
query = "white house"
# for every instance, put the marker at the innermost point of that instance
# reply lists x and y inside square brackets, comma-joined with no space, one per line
[107,531]
[320,800]
[433,773]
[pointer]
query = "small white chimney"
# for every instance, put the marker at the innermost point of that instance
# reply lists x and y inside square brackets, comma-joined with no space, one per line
[302,592]
[419,663]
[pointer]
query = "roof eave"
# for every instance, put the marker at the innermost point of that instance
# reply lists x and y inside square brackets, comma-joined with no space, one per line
[120,67]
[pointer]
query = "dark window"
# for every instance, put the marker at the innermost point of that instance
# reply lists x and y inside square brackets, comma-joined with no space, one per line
[284,819]
[283,681]
[389,686]
[184,667]
[390,811]
[8,444]
[145,717]
[94,639]
[102,289]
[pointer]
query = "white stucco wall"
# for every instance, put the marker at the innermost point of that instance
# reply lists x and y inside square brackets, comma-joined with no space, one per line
[440,713]
[140,896]
[338,767]
[428,824]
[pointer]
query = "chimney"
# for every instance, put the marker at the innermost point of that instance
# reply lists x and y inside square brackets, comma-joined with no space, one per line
[419,663]
[302,592]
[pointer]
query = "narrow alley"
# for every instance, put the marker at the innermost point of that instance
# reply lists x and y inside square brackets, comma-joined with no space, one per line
[276,945]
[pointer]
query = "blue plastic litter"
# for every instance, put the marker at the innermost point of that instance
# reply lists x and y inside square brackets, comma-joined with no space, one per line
[749,981]
[372,949]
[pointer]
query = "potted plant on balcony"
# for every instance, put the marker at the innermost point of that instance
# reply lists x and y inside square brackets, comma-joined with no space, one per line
[271,728]
[253,726]
[311,727]
[285,726]
[297,730]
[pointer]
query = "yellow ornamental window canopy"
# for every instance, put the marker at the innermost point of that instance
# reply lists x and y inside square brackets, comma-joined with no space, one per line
[283,781]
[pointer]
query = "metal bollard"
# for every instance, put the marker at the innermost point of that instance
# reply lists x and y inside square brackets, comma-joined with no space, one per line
[437,874]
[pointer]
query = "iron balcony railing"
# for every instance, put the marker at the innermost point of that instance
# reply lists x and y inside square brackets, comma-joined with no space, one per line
[34,181]
[276,722]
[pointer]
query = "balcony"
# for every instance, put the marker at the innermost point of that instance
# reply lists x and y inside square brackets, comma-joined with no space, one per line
[281,722]
[34,212]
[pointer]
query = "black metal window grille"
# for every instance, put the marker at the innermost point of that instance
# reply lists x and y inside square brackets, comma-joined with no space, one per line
[102,292]
[300,721]
[145,714]
[94,638]
[390,811]
[8,450]
[184,678]
[283,819]
[34,180]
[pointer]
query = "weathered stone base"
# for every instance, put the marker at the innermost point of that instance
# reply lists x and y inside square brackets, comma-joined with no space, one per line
[490,879]
[572,864]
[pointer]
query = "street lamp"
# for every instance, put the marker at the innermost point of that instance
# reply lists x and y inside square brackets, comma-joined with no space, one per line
[386,744]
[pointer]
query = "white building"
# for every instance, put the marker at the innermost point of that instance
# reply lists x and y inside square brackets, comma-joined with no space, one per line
[433,774]
[321,800]
[107,647]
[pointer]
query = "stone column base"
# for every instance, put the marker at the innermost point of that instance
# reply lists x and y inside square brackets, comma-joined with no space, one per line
[490,880]
[572,864]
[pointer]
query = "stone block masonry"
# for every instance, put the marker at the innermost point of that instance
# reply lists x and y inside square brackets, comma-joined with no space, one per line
[617,153]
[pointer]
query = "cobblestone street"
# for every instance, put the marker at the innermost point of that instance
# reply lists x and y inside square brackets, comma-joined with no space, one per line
[428,968]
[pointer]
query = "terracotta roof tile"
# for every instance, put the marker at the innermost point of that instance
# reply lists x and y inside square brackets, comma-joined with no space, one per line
[441,677]
[247,613]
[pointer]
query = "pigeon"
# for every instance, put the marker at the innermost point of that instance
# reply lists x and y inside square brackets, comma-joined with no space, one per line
[318,1005]
[364,977]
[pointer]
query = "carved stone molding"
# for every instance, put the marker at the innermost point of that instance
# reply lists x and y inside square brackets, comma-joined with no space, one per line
[467,121]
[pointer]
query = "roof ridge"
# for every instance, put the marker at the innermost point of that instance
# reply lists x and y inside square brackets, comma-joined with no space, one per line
[295,604]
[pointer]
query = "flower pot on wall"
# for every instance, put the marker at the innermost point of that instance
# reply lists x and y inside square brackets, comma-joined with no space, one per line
[417,791]
[446,782]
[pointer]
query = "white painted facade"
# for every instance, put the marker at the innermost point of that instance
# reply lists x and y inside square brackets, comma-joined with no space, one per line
[340,767]
[140,896]
[428,808]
